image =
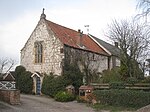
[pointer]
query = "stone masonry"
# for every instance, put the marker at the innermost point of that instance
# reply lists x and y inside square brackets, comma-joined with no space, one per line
[10,96]
[51,51]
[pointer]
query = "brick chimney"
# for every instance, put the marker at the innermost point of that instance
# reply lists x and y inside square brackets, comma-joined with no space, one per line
[80,38]
[116,44]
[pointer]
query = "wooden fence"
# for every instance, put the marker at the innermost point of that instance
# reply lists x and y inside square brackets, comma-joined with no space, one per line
[139,86]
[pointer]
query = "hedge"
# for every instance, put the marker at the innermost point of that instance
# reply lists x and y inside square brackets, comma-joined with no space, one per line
[117,85]
[63,96]
[125,98]
[24,81]
[52,85]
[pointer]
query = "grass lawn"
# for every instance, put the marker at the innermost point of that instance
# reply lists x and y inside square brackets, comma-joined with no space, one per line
[99,107]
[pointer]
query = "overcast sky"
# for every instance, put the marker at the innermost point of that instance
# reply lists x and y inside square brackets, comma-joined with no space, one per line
[18,18]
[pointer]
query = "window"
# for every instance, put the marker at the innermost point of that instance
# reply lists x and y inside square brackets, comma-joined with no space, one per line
[82,93]
[61,50]
[38,52]
[93,57]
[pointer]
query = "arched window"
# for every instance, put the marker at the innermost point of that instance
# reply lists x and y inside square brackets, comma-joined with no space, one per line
[38,52]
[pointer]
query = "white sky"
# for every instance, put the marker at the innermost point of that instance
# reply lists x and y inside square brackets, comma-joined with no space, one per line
[18,18]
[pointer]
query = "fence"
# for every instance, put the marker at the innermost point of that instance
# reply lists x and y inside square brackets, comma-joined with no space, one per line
[7,85]
[9,93]
[139,86]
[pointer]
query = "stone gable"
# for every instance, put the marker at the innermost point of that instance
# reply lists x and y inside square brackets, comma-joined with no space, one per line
[51,51]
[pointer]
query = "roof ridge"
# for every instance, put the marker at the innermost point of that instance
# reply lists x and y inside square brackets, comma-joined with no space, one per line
[63,26]
[101,40]
[111,48]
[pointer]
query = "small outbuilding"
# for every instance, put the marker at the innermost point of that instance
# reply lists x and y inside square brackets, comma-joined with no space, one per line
[70,89]
[8,77]
[84,91]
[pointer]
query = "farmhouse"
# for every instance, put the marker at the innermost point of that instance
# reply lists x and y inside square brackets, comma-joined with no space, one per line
[51,45]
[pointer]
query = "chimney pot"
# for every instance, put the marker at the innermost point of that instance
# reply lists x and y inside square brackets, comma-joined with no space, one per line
[116,44]
[79,30]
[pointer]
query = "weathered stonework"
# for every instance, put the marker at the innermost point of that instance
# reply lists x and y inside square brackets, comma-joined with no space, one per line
[94,61]
[51,47]
[51,51]
[114,62]
[10,96]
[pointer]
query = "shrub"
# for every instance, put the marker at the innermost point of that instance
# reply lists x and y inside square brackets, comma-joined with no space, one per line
[26,82]
[125,98]
[117,85]
[52,85]
[80,100]
[18,72]
[146,80]
[46,83]
[23,79]
[112,75]
[131,80]
[64,96]
[73,76]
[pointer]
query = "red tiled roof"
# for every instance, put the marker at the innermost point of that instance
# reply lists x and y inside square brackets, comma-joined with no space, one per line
[72,38]
[86,87]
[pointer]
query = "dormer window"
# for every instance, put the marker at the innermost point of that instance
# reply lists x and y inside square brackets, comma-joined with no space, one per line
[38,51]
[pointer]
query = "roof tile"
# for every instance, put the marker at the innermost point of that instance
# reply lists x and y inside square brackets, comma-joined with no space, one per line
[72,38]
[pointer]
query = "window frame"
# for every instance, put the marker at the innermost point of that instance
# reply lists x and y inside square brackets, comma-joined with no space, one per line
[38,52]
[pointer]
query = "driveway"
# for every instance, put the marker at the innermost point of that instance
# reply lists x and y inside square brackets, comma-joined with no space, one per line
[32,103]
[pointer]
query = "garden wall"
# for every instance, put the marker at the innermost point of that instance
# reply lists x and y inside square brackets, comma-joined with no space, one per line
[10,96]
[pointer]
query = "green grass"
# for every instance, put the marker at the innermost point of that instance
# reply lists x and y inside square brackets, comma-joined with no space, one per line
[99,107]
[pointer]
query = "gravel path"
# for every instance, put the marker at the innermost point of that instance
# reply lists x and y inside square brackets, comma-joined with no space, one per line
[32,103]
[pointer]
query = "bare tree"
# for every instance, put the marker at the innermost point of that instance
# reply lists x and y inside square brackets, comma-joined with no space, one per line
[6,65]
[89,65]
[87,62]
[144,5]
[148,65]
[133,40]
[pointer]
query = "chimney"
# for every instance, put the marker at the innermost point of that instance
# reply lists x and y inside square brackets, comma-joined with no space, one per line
[79,30]
[116,44]
[80,38]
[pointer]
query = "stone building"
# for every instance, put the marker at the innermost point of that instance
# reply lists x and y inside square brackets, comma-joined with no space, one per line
[51,44]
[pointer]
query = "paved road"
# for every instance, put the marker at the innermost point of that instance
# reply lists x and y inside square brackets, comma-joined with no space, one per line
[31,103]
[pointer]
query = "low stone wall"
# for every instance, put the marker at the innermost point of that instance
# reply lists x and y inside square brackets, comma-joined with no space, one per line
[10,96]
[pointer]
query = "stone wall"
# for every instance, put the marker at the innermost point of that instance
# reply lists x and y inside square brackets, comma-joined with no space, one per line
[114,62]
[95,62]
[52,56]
[10,96]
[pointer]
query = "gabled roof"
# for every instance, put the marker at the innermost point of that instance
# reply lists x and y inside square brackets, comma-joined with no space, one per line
[112,50]
[36,74]
[8,77]
[83,87]
[71,38]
